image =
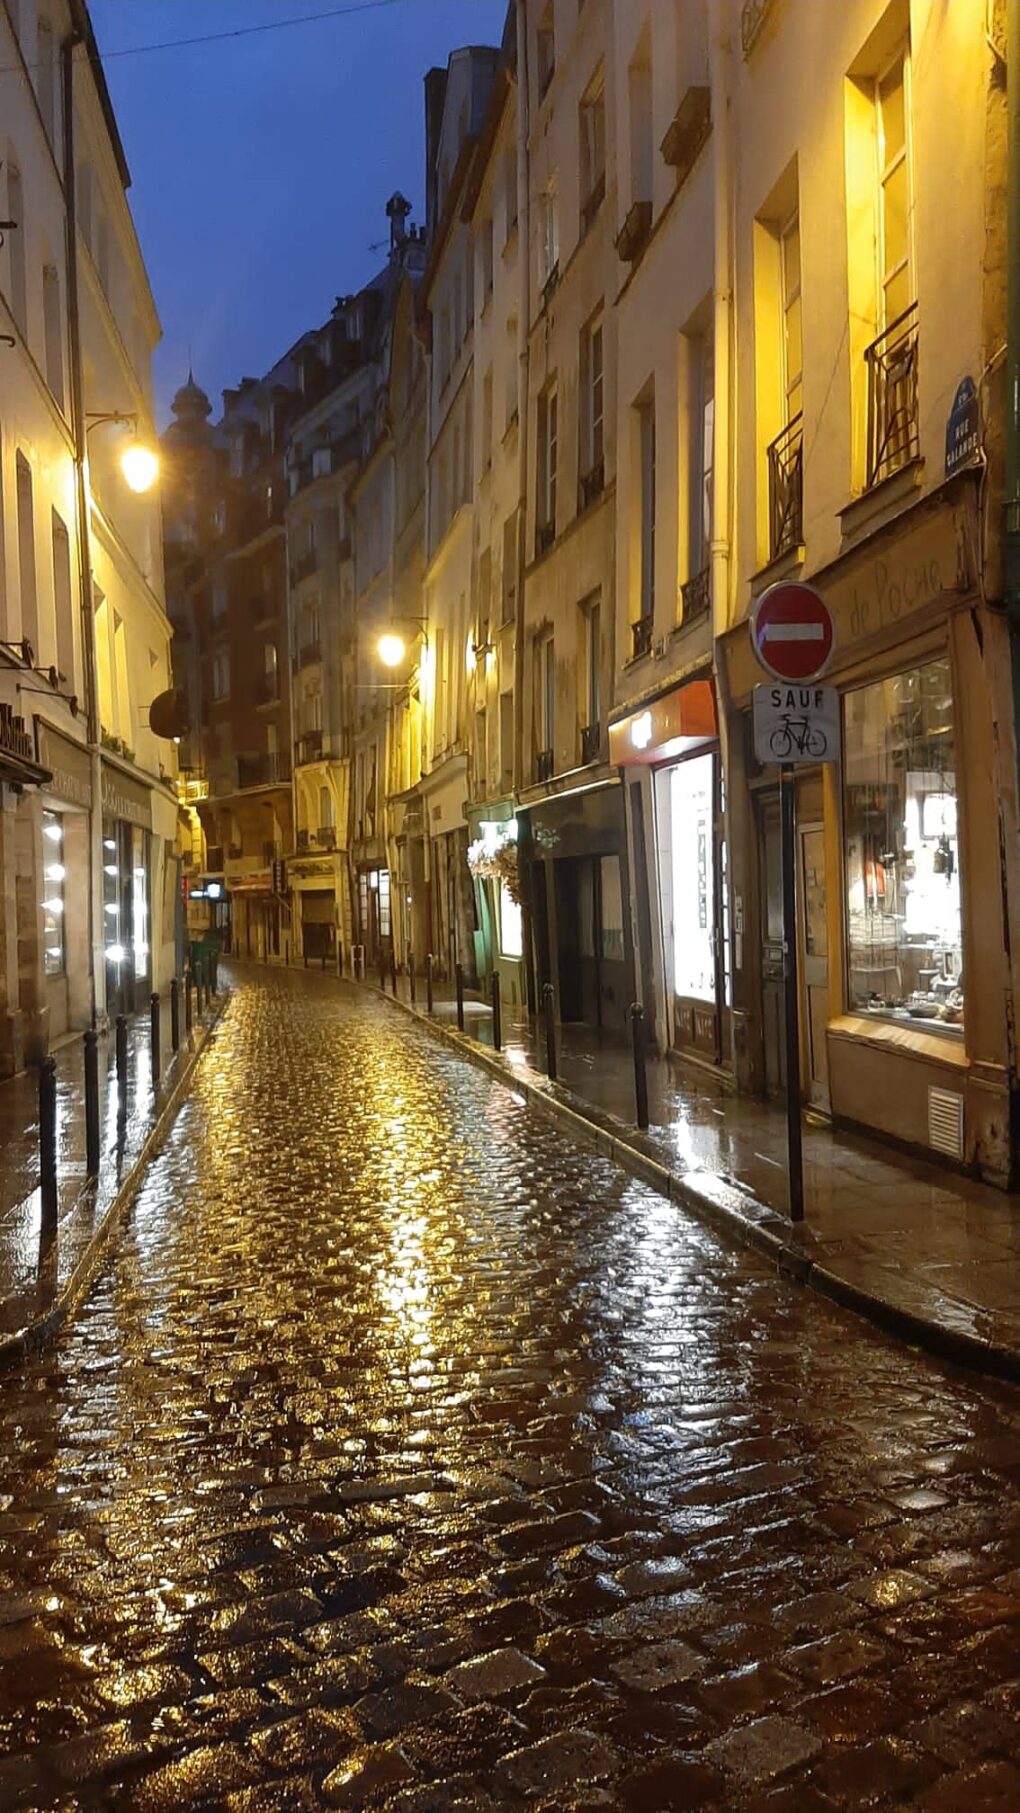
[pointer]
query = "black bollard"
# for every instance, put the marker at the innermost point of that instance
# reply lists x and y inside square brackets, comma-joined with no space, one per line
[393,971]
[48,1146]
[154,1051]
[175,1014]
[382,971]
[188,985]
[497,1013]
[120,1046]
[339,958]
[637,1027]
[429,967]
[458,977]
[214,971]
[549,1004]
[411,977]
[92,1104]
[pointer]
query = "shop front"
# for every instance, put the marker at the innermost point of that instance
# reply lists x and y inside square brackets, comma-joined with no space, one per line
[494,864]
[575,888]
[903,946]
[65,804]
[668,752]
[451,907]
[127,890]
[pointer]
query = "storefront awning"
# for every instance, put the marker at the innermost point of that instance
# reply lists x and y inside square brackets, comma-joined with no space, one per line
[666,728]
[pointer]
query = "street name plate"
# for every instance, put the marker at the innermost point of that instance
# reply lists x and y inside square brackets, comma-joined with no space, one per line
[796,723]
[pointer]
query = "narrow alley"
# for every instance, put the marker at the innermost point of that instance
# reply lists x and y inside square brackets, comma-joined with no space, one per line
[405,1457]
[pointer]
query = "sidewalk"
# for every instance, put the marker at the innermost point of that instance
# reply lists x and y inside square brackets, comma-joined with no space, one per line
[913,1245]
[35,1278]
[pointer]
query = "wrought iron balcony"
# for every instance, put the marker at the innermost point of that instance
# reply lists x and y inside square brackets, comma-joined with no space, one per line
[269,853]
[592,484]
[545,535]
[550,285]
[302,841]
[325,837]
[892,398]
[309,746]
[267,689]
[696,597]
[630,240]
[591,743]
[235,852]
[544,765]
[786,489]
[688,131]
[641,631]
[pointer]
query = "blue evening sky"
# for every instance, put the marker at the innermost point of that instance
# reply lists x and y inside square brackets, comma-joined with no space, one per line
[261,165]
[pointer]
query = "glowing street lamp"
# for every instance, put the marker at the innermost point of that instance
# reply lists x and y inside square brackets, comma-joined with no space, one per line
[140,466]
[391,649]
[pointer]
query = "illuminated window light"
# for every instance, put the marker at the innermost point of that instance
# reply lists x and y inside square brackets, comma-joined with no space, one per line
[55,871]
[54,833]
[115,953]
[109,843]
[55,907]
[111,907]
[110,868]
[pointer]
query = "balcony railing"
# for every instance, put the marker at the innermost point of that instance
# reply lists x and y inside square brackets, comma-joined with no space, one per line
[309,653]
[325,837]
[303,837]
[550,285]
[265,770]
[592,484]
[892,398]
[235,852]
[641,632]
[786,489]
[591,743]
[637,225]
[269,854]
[267,689]
[688,132]
[544,765]
[696,597]
[545,535]
[309,746]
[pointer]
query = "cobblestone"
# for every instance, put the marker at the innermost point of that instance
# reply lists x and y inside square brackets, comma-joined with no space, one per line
[408,1457]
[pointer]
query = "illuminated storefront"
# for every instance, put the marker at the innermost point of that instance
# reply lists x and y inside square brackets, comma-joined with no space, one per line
[127,896]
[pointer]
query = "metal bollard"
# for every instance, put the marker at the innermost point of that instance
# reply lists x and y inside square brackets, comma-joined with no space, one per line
[549,1005]
[393,971]
[188,985]
[155,1055]
[175,1014]
[458,977]
[120,1046]
[48,1146]
[214,971]
[411,978]
[497,1012]
[429,965]
[637,1027]
[382,971]
[92,1103]
[339,958]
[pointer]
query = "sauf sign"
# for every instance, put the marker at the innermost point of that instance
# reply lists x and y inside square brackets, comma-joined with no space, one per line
[796,723]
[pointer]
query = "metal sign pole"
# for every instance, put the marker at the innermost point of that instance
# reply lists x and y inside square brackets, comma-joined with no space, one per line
[788,819]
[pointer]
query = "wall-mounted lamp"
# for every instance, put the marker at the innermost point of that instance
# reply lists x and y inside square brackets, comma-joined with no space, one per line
[138,463]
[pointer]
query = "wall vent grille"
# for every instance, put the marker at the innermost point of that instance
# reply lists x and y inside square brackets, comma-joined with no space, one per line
[945,1122]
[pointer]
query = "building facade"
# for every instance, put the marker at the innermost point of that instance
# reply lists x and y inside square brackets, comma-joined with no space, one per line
[89,803]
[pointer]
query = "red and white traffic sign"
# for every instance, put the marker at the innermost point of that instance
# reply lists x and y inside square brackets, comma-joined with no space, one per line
[792,631]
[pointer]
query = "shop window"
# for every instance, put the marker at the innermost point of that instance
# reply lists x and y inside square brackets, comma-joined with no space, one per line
[511,926]
[611,916]
[53,893]
[905,959]
[691,841]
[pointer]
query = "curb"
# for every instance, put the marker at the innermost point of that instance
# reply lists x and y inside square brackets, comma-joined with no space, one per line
[726,1206]
[36,1332]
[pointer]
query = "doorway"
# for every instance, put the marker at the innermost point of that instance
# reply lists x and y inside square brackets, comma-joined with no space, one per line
[692,857]
[814,961]
[813,944]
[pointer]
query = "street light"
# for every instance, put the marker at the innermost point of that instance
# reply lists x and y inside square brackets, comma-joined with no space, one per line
[138,463]
[391,649]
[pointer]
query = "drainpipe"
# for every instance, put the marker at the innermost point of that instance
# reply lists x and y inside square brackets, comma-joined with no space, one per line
[523,424]
[1011,523]
[724,462]
[97,956]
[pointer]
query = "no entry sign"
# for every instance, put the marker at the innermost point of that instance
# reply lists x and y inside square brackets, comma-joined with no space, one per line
[791,630]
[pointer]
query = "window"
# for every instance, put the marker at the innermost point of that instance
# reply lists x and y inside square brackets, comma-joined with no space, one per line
[547,695]
[691,813]
[62,600]
[53,333]
[895,281]
[592,613]
[53,893]
[548,235]
[701,452]
[593,155]
[221,676]
[484,598]
[506,741]
[511,924]
[26,553]
[45,77]
[271,661]
[481,754]
[322,462]
[325,809]
[510,189]
[646,433]
[16,244]
[641,144]
[545,51]
[487,420]
[510,414]
[510,567]
[592,408]
[485,258]
[219,599]
[548,432]
[789,275]
[904,946]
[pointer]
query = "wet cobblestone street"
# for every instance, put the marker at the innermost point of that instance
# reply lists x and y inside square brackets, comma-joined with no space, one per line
[408,1456]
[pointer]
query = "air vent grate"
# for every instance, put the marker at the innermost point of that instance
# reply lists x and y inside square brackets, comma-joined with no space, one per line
[945,1122]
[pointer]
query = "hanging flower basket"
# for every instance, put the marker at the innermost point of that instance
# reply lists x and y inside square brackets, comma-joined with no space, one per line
[499,864]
